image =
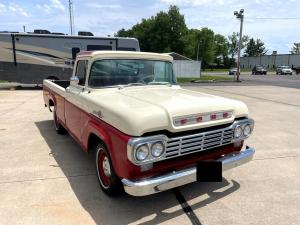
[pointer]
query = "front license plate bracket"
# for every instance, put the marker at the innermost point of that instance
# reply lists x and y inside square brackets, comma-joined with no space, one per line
[209,171]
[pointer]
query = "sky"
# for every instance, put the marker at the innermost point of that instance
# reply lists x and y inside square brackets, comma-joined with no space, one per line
[275,22]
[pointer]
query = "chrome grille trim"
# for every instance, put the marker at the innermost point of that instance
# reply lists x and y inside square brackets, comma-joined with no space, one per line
[188,144]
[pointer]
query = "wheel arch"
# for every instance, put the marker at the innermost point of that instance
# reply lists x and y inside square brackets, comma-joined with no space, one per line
[92,141]
[93,134]
[51,102]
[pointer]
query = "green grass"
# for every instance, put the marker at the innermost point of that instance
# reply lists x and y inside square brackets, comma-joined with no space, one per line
[215,70]
[203,78]
[3,81]
[226,70]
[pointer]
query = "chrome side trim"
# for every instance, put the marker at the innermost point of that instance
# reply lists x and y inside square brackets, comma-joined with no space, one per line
[185,176]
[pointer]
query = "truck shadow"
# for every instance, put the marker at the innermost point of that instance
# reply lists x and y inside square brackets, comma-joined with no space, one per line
[78,168]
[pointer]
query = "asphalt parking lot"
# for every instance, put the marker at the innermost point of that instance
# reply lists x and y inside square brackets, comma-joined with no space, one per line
[45,178]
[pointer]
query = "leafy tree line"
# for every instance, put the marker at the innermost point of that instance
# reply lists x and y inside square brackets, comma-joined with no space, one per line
[167,32]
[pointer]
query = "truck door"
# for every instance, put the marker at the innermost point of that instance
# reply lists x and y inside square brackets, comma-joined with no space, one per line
[73,105]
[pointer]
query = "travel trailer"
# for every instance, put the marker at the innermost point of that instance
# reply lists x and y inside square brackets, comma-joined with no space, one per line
[29,58]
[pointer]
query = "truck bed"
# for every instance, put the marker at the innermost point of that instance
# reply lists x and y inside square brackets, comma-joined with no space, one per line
[54,88]
[58,86]
[62,83]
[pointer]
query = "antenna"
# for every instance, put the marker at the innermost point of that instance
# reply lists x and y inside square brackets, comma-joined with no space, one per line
[71,17]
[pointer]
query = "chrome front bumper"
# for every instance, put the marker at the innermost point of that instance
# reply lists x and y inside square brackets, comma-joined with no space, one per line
[177,178]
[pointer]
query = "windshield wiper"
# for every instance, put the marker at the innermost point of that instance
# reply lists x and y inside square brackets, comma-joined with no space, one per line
[159,83]
[130,85]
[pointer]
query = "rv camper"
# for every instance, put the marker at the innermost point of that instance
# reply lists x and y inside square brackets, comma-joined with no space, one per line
[31,57]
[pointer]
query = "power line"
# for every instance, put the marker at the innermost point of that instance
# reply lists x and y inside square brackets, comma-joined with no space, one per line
[274,18]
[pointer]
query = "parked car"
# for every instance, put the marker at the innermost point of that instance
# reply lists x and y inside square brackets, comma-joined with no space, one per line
[284,70]
[297,69]
[232,71]
[147,133]
[258,69]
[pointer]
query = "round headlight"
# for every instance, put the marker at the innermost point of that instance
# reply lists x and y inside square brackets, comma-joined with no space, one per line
[157,149]
[142,152]
[247,130]
[238,132]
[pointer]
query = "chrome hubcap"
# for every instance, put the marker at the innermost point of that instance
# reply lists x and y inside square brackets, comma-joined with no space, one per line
[106,167]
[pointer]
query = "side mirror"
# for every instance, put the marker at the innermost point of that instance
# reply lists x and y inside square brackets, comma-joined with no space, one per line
[74,81]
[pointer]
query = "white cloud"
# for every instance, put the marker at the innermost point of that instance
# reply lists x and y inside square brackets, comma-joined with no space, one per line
[2,8]
[196,2]
[57,5]
[101,6]
[51,7]
[13,9]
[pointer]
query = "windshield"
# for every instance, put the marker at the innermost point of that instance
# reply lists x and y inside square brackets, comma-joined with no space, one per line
[285,67]
[113,72]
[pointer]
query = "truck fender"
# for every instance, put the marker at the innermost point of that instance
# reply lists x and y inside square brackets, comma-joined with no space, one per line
[93,128]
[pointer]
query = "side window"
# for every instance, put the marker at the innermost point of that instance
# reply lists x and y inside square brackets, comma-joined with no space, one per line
[98,47]
[81,71]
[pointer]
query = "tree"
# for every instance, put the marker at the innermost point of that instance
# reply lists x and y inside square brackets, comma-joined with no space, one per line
[161,33]
[142,31]
[177,29]
[255,48]
[199,44]
[296,48]
[234,44]
[221,50]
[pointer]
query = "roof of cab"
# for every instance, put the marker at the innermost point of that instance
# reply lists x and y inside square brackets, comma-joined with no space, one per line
[125,55]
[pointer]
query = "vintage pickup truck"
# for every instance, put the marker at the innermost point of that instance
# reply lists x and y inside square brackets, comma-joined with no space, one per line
[147,133]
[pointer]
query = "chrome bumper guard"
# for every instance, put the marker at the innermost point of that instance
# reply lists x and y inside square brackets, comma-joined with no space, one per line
[178,178]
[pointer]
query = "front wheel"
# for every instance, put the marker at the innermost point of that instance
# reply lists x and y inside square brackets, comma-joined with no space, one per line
[108,180]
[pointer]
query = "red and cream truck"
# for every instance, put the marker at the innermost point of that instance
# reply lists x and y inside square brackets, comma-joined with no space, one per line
[147,133]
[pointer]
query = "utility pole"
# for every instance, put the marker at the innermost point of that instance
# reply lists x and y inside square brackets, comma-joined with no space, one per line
[71,17]
[239,15]
[198,52]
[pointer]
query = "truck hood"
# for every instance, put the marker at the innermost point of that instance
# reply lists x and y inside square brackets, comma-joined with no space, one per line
[138,110]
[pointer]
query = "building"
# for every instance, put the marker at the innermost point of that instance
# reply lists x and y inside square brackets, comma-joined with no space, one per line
[185,67]
[271,61]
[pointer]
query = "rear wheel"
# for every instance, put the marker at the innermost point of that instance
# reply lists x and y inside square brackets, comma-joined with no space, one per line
[58,127]
[108,180]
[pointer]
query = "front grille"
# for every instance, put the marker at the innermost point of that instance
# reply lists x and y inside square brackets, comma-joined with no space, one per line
[198,142]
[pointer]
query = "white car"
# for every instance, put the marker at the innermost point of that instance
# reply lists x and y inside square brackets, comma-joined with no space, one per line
[284,70]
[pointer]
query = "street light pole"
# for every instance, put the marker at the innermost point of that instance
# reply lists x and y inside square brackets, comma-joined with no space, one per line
[239,15]
[71,17]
